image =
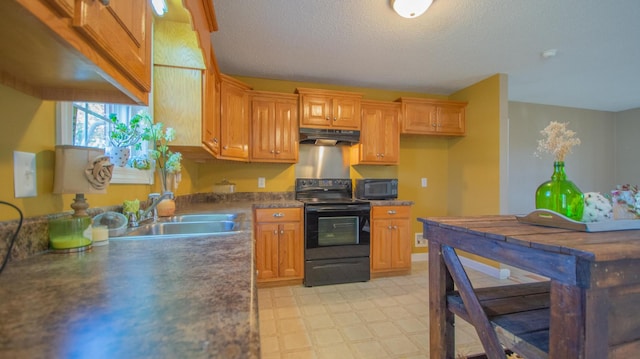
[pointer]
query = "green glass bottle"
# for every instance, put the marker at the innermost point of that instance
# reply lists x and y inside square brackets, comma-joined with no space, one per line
[560,195]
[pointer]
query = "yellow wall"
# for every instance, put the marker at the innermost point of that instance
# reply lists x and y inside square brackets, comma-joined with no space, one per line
[474,160]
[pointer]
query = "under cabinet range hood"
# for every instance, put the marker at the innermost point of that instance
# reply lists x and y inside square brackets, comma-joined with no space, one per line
[329,137]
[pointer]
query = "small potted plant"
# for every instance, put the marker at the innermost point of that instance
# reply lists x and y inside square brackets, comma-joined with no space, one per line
[123,135]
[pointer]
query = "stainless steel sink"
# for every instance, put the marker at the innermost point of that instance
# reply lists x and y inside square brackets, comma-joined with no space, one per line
[187,225]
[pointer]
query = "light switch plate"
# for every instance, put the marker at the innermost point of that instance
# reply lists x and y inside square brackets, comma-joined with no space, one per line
[24,174]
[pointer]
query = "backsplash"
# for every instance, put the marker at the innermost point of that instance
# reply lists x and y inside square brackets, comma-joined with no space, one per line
[33,237]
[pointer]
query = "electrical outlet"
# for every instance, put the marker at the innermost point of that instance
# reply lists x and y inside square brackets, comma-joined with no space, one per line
[421,242]
[424,182]
[261,182]
[24,174]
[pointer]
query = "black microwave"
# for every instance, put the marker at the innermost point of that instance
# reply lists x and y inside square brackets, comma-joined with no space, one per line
[377,188]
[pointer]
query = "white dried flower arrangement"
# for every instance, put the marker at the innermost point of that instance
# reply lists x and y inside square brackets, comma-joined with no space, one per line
[558,140]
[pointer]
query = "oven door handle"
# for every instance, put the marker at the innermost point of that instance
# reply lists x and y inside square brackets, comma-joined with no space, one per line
[357,209]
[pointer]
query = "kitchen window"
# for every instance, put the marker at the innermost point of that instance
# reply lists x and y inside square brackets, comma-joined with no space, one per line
[87,124]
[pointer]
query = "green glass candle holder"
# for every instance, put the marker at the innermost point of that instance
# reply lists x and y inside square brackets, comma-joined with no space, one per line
[71,234]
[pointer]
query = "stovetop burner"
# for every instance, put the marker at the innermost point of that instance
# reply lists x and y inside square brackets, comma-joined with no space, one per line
[324,190]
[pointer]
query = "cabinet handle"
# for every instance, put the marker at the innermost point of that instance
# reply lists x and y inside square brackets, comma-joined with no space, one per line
[328,118]
[105,2]
[391,211]
[277,152]
[389,227]
[282,231]
[215,140]
[382,155]
[275,232]
[225,147]
[279,214]
[395,227]
[272,151]
[335,119]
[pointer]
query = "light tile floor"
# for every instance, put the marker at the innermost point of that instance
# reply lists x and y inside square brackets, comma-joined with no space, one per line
[381,318]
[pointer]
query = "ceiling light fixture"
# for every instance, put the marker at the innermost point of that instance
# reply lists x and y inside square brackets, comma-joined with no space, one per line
[410,8]
[159,6]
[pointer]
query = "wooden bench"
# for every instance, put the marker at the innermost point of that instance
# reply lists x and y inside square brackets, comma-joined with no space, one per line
[518,313]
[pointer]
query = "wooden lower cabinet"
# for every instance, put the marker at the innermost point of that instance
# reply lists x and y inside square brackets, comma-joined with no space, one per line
[390,240]
[279,241]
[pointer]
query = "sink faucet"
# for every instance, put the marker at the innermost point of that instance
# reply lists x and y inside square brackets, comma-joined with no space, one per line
[151,211]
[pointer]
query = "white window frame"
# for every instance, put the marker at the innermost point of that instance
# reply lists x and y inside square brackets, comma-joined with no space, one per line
[64,136]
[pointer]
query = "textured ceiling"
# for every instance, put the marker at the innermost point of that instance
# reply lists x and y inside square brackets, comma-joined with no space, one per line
[454,44]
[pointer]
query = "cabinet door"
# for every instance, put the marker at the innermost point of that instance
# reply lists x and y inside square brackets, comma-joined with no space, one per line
[286,131]
[379,136]
[400,244]
[419,118]
[120,31]
[381,245]
[211,112]
[266,251]
[371,132]
[450,119]
[346,113]
[389,140]
[290,262]
[316,111]
[234,122]
[263,125]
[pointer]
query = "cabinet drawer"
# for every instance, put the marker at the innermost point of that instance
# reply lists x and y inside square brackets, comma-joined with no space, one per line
[278,215]
[390,212]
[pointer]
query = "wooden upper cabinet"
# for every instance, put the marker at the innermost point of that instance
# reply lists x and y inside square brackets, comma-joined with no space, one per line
[117,30]
[64,7]
[66,50]
[234,119]
[432,117]
[274,127]
[329,109]
[211,112]
[379,134]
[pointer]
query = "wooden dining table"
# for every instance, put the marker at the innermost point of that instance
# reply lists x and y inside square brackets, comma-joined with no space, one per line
[588,308]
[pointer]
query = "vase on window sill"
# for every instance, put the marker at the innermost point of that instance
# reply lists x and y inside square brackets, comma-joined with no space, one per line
[561,195]
[119,156]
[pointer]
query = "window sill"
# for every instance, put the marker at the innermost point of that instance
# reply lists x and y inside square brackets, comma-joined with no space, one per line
[125,175]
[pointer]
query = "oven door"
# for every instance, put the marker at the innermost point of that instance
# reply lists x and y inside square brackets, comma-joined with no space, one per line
[337,231]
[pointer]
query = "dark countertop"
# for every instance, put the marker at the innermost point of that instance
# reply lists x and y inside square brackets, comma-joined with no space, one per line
[160,298]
